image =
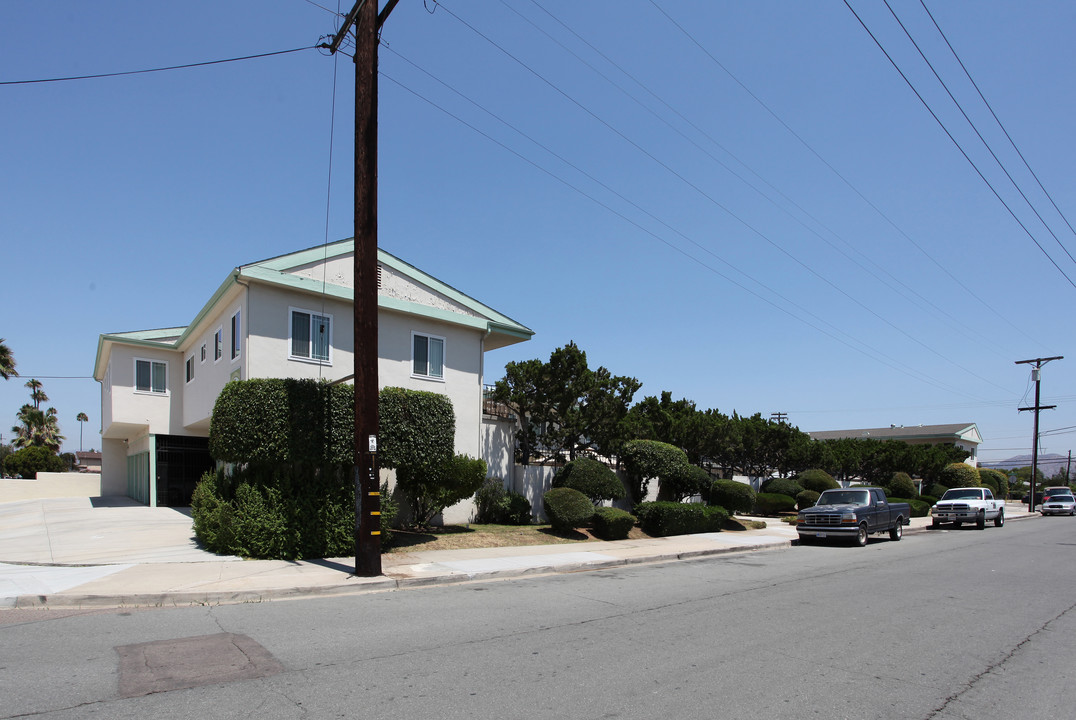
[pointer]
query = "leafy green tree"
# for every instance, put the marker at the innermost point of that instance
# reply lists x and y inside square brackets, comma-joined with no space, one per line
[683,482]
[29,461]
[431,491]
[958,474]
[7,362]
[521,391]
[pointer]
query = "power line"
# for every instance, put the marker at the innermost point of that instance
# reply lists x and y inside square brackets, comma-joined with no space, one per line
[959,146]
[153,70]
[979,134]
[996,118]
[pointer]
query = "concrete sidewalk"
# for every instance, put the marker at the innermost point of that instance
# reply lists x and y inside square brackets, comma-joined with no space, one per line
[81,552]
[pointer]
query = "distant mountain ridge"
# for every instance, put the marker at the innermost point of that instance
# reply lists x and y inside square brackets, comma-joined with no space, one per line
[1049,463]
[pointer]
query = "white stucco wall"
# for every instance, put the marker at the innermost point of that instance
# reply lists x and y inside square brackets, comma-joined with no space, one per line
[160,413]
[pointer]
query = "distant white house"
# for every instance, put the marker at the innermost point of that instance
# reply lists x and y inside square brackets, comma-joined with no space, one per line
[964,435]
[289,316]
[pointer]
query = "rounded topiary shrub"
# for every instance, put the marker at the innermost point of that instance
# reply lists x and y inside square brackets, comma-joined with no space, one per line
[902,485]
[683,482]
[567,508]
[956,475]
[592,478]
[996,480]
[806,499]
[487,501]
[919,508]
[733,496]
[612,523]
[936,490]
[817,480]
[774,503]
[782,486]
[660,519]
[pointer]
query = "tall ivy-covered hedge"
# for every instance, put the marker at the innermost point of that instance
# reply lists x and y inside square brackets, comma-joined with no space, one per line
[289,491]
[283,420]
[645,460]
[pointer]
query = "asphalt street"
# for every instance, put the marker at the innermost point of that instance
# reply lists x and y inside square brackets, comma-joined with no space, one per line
[944,624]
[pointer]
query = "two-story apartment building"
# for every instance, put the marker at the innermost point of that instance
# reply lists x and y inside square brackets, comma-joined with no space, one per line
[289,316]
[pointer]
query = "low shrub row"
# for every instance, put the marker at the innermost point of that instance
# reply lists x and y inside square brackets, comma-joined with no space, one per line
[670,518]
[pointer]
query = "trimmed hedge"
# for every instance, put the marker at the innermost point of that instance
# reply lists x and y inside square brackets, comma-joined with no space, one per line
[567,508]
[902,485]
[956,475]
[644,460]
[919,507]
[782,486]
[591,477]
[683,482]
[660,519]
[806,499]
[290,492]
[732,495]
[774,503]
[817,480]
[612,523]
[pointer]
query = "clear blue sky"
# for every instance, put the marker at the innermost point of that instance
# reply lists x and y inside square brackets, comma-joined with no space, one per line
[741,203]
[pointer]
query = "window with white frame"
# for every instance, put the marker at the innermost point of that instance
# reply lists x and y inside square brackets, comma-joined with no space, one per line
[236,339]
[310,336]
[190,368]
[218,344]
[427,356]
[203,352]
[151,376]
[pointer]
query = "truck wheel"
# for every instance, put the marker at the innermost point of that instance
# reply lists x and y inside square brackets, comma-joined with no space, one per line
[897,531]
[999,521]
[861,536]
[980,520]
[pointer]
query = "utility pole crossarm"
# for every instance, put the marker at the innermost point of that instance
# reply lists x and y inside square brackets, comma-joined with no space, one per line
[1037,407]
[352,16]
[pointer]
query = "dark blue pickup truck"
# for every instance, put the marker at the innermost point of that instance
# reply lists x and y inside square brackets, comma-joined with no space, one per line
[852,513]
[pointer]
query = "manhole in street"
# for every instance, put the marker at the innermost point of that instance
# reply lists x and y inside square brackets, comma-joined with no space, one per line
[165,665]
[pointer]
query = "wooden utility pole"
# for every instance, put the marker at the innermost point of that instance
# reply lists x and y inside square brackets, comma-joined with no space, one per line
[367,23]
[1036,375]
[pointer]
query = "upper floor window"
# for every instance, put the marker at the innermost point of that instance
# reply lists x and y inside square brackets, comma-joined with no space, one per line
[428,356]
[151,376]
[218,344]
[236,339]
[190,368]
[311,336]
[203,352]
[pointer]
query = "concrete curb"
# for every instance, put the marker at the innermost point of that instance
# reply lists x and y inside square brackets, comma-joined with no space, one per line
[358,586]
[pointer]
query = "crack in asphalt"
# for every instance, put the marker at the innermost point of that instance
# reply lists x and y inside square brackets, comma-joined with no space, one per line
[970,685]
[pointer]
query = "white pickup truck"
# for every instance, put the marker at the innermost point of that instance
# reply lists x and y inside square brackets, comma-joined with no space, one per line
[968,505]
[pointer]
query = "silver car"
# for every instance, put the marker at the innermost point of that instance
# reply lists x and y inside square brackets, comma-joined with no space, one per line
[1059,504]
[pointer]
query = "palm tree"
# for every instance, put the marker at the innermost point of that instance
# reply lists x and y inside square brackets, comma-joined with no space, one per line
[36,393]
[50,431]
[7,362]
[81,418]
[37,429]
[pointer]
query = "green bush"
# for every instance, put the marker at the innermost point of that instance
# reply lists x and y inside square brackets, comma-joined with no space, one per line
[612,523]
[930,500]
[487,501]
[919,508]
[736,497]
[516,509]
[592,478]
[774,503]
[995,480]
[683,482]
[936,490]
[567,508]
[782,486]
[29,461]
[956,475]
[902,485]
[390,509]
[645,460]
[806,499]
[495,505]
[661,519]
[817,480]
